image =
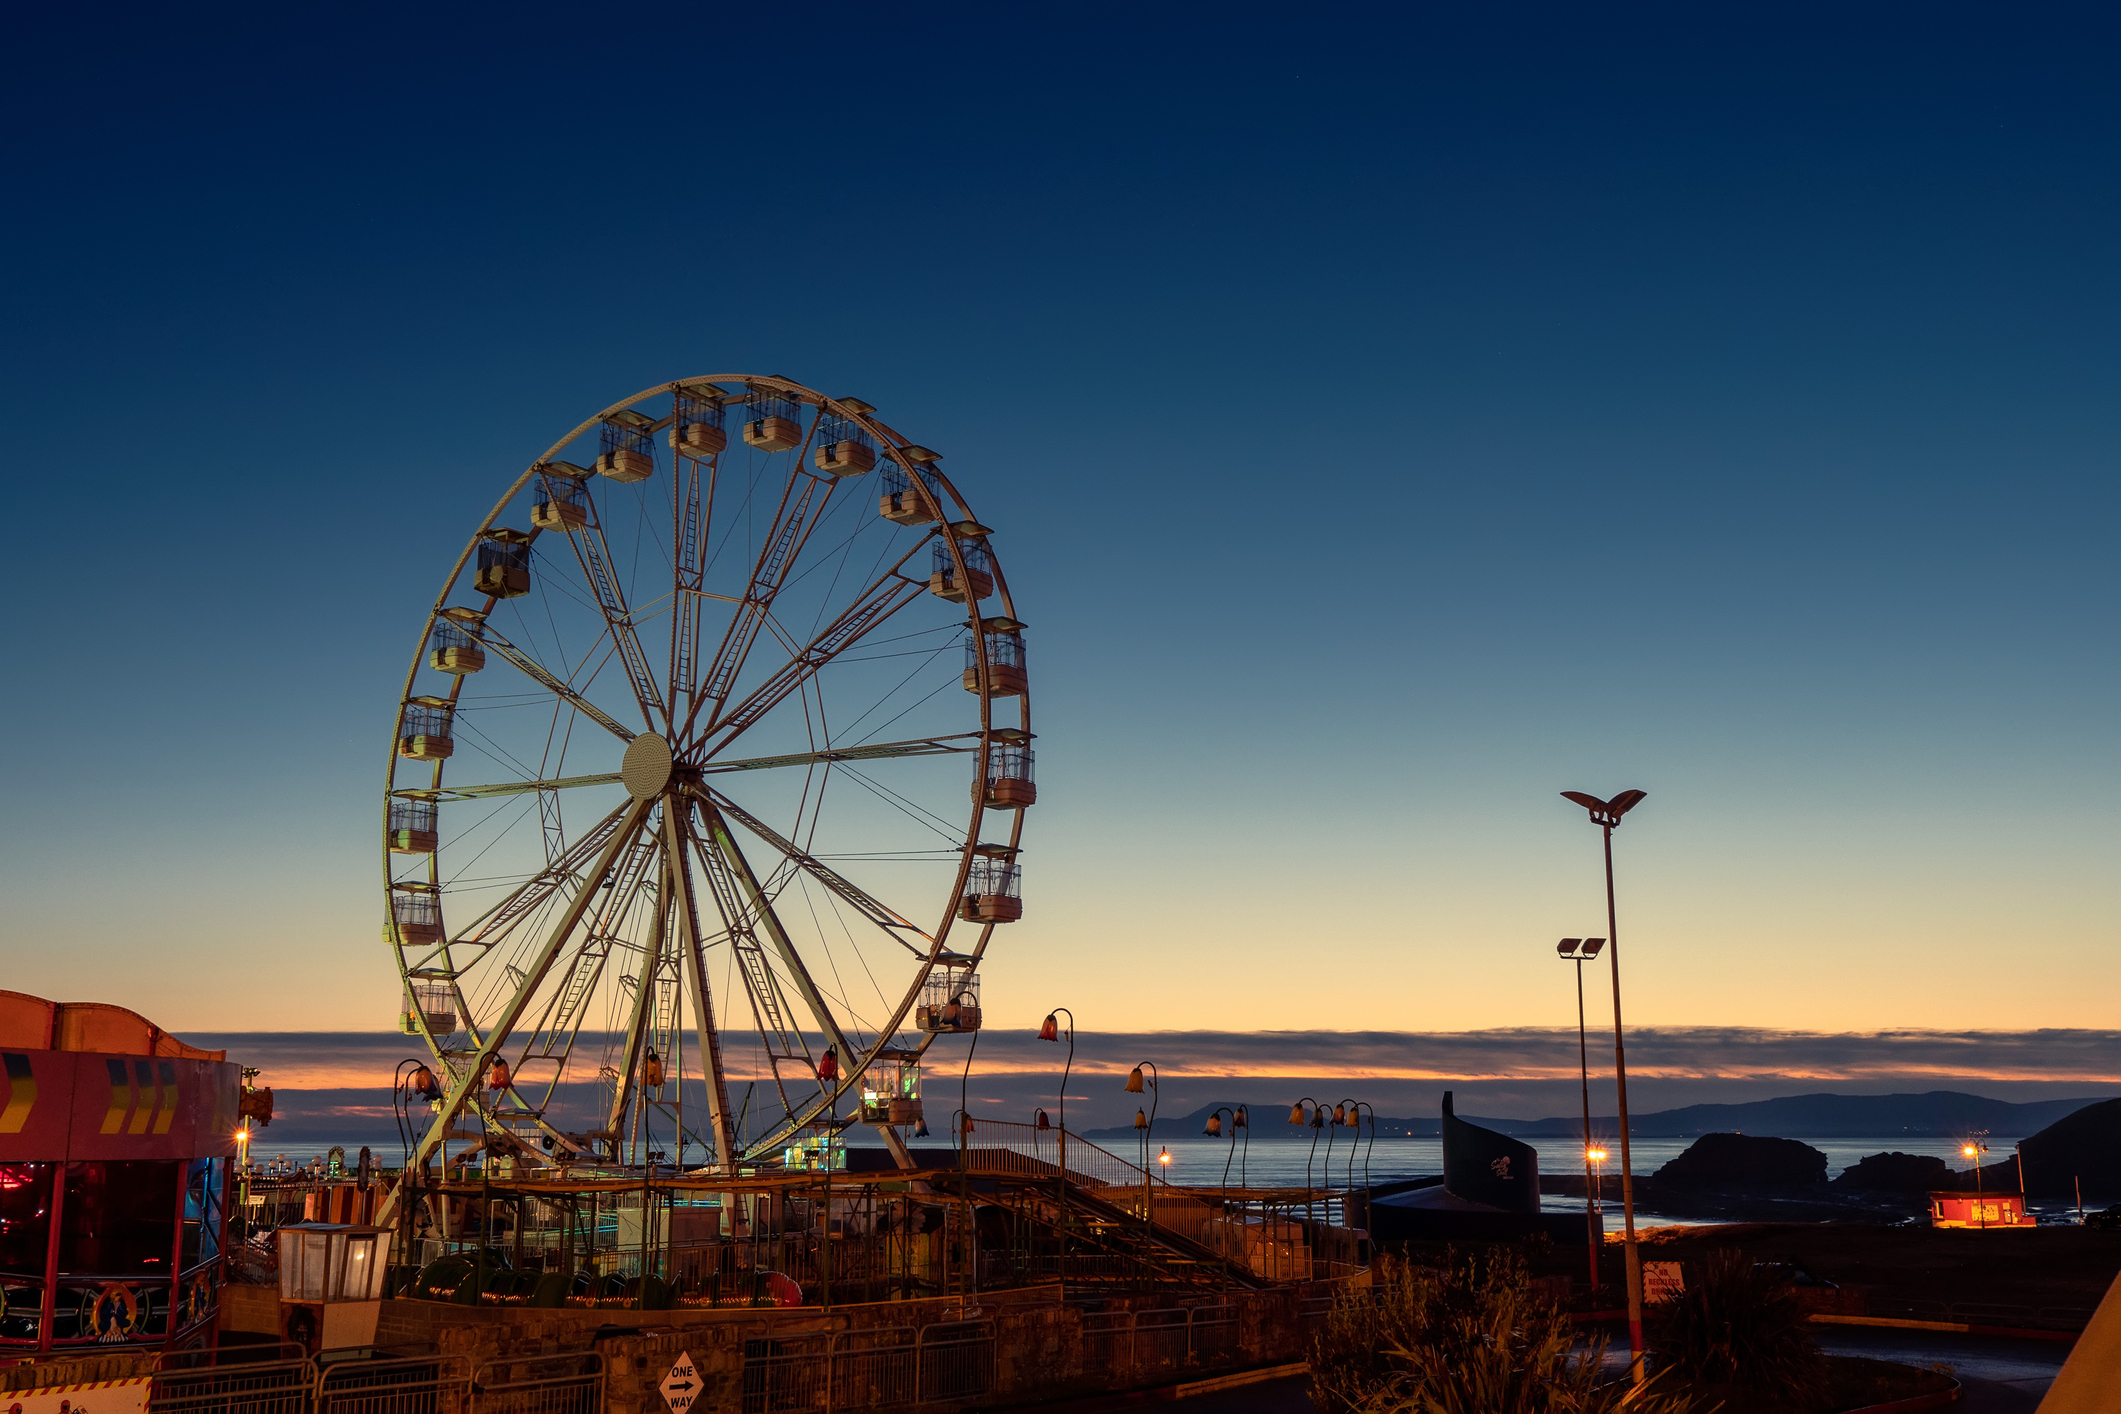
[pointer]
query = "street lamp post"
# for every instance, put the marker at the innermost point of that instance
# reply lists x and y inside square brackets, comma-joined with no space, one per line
[1299,1115]
[1606,815]
[1581,951]
[1146,1125]
[1974,1149]
[1052,1030]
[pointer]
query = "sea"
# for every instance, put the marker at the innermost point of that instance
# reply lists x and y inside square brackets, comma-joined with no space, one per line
[1280,1163]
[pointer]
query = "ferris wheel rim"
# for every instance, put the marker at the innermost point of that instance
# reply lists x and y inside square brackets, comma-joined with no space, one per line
[856,1064]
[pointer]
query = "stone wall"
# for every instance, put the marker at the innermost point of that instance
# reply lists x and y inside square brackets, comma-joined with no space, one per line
[1041,1348]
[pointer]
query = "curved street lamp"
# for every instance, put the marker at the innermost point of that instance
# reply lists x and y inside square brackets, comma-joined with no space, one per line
[1146,1124]
[1052,1030]
[1605,814]
[1216,1129]
[1316,1119]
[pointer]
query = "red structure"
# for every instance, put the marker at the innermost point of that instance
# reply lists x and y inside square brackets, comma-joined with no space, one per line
[1984,1211]
[115,1146]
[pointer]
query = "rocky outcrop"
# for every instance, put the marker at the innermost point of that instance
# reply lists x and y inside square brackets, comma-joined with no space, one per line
[1744,1161]
[2085,1146]
[1896,1172]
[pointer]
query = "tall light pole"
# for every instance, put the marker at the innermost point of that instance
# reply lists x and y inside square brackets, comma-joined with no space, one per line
[1605,814]
[1974,1149]
[1581,951]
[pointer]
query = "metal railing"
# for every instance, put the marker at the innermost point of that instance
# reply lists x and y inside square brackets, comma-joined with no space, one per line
[420,1384]
[552,1384]
[881,1368]
[283,1386]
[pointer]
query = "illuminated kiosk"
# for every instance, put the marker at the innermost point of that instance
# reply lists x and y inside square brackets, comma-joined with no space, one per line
[115,1144]
[1980,1211]
[331,1284]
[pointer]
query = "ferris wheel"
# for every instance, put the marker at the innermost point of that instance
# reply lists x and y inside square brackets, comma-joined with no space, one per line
[712,763]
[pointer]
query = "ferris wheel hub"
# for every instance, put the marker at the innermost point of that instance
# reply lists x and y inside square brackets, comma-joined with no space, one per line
[646,766]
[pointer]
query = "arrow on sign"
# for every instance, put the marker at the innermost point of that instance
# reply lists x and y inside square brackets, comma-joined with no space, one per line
[682,1385]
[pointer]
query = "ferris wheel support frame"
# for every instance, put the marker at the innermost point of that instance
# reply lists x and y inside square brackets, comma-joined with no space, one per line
[728,715]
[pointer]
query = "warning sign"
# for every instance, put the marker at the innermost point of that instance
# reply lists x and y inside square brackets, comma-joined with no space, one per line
[110,1397]
[682,1386]
[1662,1281]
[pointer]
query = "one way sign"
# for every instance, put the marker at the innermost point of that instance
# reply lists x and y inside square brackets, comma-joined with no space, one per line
[682,1385]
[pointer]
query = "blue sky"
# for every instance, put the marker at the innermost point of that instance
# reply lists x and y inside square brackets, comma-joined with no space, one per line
[1390,417]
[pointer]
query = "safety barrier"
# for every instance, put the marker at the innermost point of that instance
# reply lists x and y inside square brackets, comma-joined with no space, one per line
[286,1386]
[551,1384]
[869,1369]
[420,1384]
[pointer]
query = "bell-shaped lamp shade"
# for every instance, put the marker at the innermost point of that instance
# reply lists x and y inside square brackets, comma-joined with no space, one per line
[1215,1126]
[1050,1030]
[1340,1114]
[920,1129]
[964,1125]
[497,1078]
[828,1066]
[1042,1121]
[1318,1117]
[1240,1120]
[1296,1113]
[1141,1119]
[1134,1081]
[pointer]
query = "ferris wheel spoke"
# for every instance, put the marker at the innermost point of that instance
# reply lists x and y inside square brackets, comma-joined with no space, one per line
[723,842]
[769,1009]
[593,553]
[511,1013]
[520,787]
[875,910]
[678,847]
[498,921]
[801,506]
[924,746]
[490,637]
[690,518]
[877,604]
[643,1004]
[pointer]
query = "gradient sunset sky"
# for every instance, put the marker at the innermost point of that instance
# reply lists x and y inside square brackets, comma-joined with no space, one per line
[1389,416]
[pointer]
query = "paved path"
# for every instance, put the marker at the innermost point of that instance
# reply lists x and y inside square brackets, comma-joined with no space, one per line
[2001,1376]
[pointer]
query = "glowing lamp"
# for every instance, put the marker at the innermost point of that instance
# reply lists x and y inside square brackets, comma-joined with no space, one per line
[1968,1151]
[1164,1158]
[1134,1081]
[1050,1030]
[1596,1156]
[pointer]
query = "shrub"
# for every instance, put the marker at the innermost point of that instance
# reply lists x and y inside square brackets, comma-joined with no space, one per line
[1739,1323]
[1470,1339]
